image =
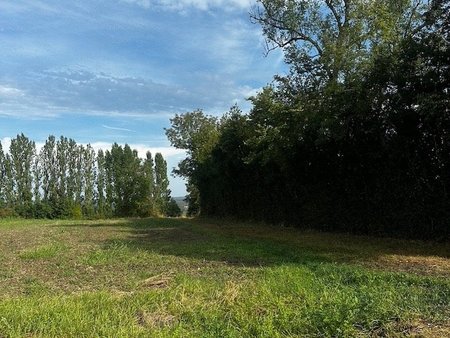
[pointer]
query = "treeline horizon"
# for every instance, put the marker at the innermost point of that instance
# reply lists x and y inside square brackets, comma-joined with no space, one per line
[69,180]
[355,138]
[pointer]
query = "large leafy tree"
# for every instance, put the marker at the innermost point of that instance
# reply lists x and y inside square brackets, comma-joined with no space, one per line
[330,41]
[355,138]
[197,133]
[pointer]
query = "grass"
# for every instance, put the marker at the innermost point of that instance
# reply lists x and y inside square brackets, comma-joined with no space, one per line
[205,278]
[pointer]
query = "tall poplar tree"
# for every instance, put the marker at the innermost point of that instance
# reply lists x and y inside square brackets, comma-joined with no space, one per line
[109,182]
[37,179]
[79,174]
[101,183]
[62,158]
[148,188]
[89,179]
[72,172]
[2,176]
[49,169]
[8,182]
[22,152]
[162,192]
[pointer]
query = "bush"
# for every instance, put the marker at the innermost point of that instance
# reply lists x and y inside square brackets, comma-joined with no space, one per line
[173,210]
[7,212]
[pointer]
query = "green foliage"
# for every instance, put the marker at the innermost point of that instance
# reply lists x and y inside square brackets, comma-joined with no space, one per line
[67,180]
[22,152]
[355,138]
[198,134]
[7,213]
[161,192]
[173,210]
[76,212]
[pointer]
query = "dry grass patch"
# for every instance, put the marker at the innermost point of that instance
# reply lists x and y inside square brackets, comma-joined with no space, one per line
[158,282]
[421,265]
[156,320]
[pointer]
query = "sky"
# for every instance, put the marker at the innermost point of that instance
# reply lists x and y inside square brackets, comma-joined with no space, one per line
[116,71]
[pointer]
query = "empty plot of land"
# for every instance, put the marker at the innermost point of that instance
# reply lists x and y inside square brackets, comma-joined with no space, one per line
[171,277]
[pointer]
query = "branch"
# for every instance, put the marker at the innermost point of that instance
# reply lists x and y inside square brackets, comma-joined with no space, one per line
[296,35]
[335,13]
[410,19]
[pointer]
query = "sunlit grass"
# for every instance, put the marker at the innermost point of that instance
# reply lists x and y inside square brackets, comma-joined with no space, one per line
[43,252]
[188,278]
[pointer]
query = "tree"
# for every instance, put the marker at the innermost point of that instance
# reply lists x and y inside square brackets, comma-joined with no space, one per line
[109,183]
[148,207]
[173,210]
[2,176]
[355,139]
[22,152]
[49,169]
[129,181]
[101,184]
[79,156]
[62,148]
[198,134]
[330,41]
[70,180]
[162,192]
[89,180]
[72,174]
[8,182]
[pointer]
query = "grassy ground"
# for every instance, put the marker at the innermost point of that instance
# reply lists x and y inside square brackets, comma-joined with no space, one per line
[188,278]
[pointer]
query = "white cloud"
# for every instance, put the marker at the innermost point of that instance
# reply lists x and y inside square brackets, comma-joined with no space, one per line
[116,128]
[51,94]
[7,91]
[198,4]
[6,142]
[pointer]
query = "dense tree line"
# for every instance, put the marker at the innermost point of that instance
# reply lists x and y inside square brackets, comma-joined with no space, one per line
[65,179]
[356,137]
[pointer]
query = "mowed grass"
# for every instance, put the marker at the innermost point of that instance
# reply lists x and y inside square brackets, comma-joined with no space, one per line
[203,278]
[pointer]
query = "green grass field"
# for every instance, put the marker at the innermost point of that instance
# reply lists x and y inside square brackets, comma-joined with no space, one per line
[199,278]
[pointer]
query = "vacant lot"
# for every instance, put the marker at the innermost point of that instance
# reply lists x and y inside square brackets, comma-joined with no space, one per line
[163,277]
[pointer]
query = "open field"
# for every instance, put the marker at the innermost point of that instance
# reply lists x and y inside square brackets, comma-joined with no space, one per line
[191,278]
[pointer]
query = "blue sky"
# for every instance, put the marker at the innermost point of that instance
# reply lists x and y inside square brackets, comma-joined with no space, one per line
[116,71]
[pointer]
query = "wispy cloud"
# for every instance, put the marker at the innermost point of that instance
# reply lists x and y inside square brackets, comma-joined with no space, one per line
[118,70]
[56,93]
[116,128]
[198,4]
[7,91]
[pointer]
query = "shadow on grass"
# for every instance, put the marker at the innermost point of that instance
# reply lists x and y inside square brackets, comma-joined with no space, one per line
[253,245]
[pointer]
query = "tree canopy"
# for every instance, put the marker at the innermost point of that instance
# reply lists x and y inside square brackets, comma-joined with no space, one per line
[65,179]
[354,138]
